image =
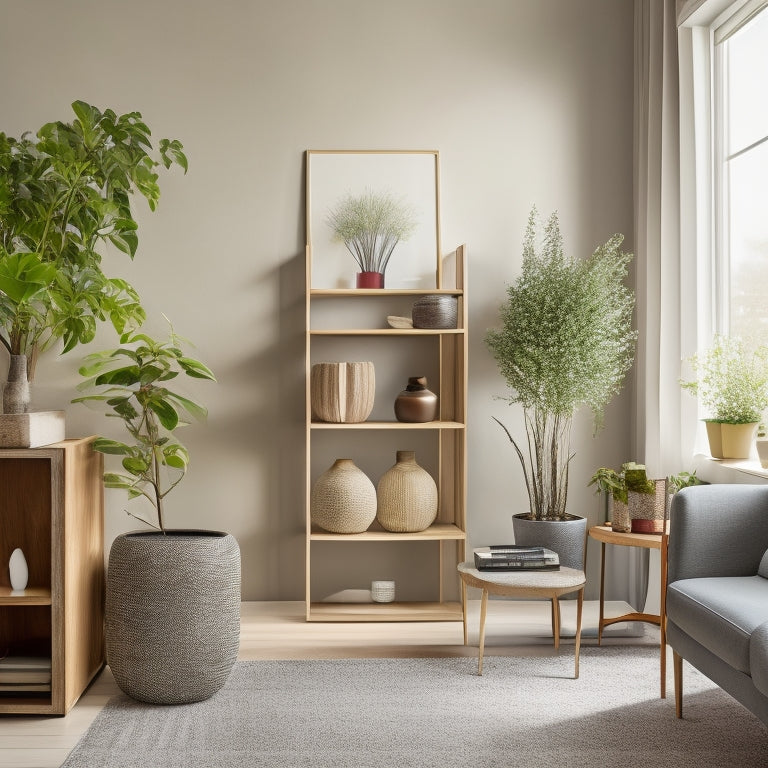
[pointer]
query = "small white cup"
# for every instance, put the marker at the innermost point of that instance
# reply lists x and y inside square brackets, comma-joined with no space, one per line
[382,591]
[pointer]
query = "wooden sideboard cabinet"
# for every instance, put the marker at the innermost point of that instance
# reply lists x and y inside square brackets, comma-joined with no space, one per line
[52,508]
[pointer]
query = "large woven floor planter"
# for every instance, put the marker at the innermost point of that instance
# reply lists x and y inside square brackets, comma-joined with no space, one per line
[173,614]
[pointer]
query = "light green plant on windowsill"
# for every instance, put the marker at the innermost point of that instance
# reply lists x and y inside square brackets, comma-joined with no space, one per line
[731,381]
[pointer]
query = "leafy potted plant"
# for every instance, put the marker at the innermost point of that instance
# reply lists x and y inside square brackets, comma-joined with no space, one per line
[370,226]
[636,502]
[565,341]
[65,195]
[173,595]
[732,385]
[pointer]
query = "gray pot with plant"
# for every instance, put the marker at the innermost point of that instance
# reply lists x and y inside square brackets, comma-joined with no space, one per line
[566,340]
[172,613]
[732,384]
[64,196]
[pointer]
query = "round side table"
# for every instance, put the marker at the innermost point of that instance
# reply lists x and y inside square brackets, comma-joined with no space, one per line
[549,585]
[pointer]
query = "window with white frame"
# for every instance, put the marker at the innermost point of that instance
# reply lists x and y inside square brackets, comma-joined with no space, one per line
[741,172]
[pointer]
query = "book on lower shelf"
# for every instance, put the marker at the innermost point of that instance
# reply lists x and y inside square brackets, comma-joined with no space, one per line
[22,674]
[514,557]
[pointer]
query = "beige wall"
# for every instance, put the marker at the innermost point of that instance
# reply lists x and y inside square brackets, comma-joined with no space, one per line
[528,101]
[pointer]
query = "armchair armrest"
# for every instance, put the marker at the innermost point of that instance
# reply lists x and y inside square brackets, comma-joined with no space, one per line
[717,530]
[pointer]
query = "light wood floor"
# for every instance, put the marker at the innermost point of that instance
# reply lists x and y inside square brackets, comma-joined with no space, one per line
[274,630]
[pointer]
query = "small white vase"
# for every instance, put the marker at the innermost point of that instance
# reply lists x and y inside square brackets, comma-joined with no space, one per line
[17,568]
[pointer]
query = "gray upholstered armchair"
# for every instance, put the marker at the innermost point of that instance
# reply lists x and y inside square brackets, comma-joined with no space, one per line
[717,590]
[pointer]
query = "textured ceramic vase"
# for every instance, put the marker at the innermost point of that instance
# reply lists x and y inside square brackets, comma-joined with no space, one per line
[16,394]
[407,496]
[416,404]
[566,537]
[618,511]
[647,510]
[342,392]
[435,311]
[172,614]
[18,571]
[343,499]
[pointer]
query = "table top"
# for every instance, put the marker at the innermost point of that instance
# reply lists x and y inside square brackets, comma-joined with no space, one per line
[565,578]
[607,535]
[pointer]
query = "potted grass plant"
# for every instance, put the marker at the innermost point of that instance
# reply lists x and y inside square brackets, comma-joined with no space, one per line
[565,341]
[65,196]
[731,383]
[371,225]
[172,614]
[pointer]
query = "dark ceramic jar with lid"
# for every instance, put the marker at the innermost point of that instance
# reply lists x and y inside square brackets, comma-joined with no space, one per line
[416,403]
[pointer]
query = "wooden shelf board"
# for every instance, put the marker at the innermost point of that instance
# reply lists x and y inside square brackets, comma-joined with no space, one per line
[31,596]
[27,705]
[388,425]
[367,292]
[386,331]
[436,532]
[385,612]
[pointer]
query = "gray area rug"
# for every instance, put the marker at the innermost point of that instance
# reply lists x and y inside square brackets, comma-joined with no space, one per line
[435,713]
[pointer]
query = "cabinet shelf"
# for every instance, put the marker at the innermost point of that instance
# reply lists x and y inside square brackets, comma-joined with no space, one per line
[402,611]
[31,596]
[436,532]
[387,425]
[321,293]
[386,332]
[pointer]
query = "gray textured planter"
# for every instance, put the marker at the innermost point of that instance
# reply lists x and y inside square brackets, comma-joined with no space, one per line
[173,614]
[566,537]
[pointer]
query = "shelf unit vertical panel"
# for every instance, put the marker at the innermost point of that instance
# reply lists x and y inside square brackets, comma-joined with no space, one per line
[83,566]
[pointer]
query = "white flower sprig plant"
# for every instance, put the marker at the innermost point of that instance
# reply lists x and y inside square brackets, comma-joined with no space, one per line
[370,226]
[731,380]
[566,340]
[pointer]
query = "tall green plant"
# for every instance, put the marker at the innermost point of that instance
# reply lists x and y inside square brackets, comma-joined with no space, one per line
[65,195]
[132,381]
[566,340]
[731,380]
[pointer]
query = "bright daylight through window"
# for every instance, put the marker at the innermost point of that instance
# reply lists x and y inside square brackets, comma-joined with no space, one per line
[741,128]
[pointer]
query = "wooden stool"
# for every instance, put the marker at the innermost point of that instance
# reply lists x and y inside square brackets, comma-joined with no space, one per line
[549,585]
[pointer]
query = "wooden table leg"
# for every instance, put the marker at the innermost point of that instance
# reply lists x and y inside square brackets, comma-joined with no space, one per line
[464,607]
[602,594]
[663,619]
[579,606]
[556,621]
[481,646]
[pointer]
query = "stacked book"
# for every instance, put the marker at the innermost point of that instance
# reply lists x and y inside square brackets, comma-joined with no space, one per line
[24,674]
[513,557]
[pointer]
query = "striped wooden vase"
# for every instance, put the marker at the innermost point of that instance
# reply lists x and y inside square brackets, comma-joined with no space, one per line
[342,392]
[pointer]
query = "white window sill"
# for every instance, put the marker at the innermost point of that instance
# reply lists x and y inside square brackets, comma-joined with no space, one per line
[729,470]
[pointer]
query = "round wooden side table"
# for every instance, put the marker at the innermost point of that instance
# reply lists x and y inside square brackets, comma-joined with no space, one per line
[605,535]
[547,585]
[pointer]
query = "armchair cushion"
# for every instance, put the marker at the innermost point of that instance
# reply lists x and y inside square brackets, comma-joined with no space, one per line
[763,569]
[758,658]
[721,613]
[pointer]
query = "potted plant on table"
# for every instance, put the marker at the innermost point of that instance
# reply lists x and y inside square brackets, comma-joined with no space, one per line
[64,196]
[637,503]
[173,596]
[370,226]
[566,340]
[732,384]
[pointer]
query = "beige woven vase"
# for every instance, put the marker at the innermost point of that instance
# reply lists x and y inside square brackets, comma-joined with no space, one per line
[343,499]
[342,392]
[407,496]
